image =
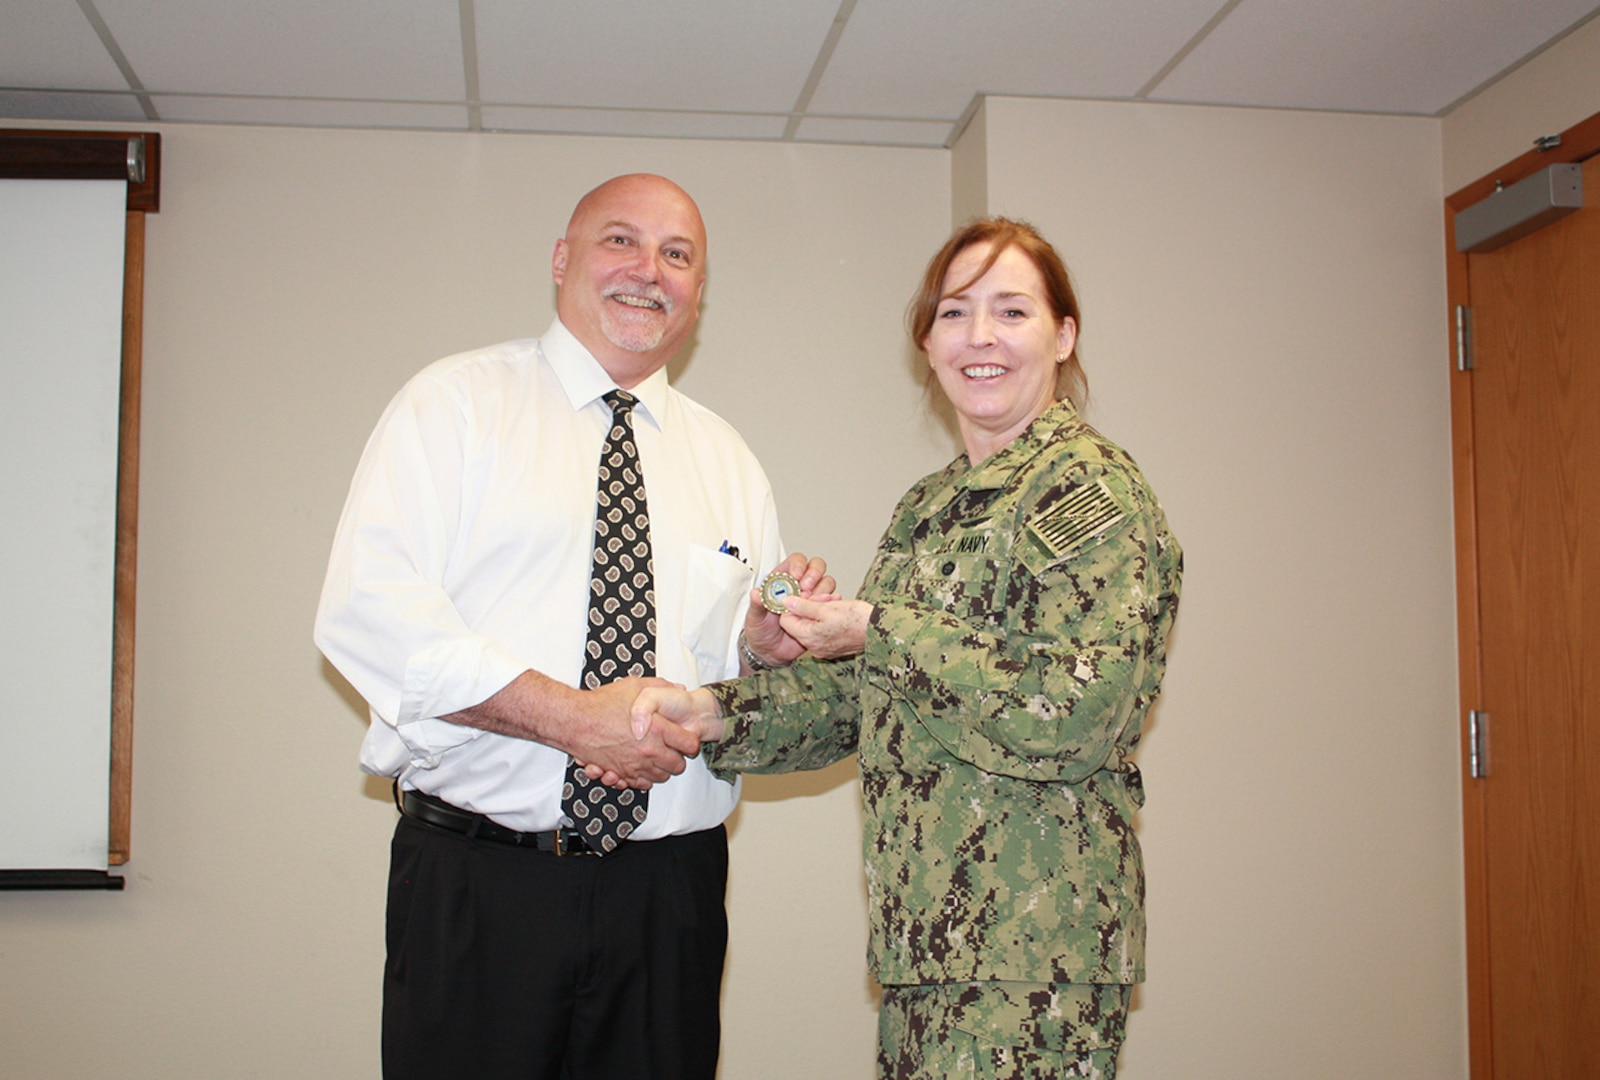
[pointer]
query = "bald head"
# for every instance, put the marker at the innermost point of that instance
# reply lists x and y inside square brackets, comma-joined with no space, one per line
[643,185]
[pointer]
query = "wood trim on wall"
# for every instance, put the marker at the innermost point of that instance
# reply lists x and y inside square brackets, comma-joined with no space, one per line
[1468,667]
[127,552]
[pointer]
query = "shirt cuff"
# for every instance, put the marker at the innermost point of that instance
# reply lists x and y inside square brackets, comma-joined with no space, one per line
[445,679]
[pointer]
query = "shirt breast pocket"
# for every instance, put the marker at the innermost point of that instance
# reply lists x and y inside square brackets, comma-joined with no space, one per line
[717,588]
[967,586]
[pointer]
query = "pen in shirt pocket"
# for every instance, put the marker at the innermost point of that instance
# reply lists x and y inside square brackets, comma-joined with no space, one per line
[729,549]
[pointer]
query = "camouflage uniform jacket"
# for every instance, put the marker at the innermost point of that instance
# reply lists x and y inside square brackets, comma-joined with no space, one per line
[1018,638]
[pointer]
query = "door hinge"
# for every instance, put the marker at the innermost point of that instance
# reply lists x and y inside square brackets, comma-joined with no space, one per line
[1477,744]
[1463,338]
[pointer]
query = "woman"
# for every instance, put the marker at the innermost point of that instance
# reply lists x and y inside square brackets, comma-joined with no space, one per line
[1008,641]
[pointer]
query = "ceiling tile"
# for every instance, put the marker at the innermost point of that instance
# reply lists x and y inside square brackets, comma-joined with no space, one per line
[927,58]
[45,105]
[1364,55]
[305,112]
[639,54]
[633,122]
[48,45]
[398,49]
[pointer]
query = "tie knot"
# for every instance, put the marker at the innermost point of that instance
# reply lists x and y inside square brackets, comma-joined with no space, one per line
[620,401]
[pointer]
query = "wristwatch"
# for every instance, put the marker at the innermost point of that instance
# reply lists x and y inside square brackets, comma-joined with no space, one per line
[749,655]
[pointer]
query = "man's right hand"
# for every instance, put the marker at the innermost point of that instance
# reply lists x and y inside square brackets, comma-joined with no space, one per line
[679,718]
[593,726]
[661,711]
[606,741]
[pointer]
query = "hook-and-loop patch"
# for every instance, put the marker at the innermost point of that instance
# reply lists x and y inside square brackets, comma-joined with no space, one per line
[1080,516]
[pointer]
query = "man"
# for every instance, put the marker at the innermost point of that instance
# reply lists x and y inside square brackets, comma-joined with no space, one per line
[528,933]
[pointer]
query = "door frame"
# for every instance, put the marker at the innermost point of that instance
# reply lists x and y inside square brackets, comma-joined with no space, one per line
[1578,143]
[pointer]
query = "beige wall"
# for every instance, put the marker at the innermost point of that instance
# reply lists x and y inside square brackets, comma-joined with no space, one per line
[1264,331]
[1263,296]
[969,171]
[1546,96]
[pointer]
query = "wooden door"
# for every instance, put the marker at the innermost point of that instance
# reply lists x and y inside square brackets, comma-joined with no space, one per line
[1528,520]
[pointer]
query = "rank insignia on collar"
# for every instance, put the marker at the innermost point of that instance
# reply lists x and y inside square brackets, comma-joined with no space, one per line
[1084,513]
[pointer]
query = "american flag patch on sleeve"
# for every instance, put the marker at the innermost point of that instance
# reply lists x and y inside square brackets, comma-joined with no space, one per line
[1084,513]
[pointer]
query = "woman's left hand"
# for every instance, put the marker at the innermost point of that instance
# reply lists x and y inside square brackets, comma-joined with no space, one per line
[829,628]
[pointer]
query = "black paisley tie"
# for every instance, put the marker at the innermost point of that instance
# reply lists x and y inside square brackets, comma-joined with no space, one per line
[622,620]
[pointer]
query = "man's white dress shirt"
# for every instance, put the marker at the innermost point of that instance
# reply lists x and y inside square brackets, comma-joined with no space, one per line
[462,559]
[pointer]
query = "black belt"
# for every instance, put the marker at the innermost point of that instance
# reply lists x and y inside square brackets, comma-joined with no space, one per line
[432,811]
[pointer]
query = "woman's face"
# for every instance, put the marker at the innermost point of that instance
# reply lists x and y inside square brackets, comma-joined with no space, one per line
[994,347]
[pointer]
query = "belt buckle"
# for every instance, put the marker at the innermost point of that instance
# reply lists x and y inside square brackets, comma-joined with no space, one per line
[560,847]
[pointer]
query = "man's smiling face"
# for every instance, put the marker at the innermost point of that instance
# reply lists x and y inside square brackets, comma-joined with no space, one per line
[630,271]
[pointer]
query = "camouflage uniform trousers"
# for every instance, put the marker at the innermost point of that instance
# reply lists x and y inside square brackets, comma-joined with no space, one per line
[1002,1031]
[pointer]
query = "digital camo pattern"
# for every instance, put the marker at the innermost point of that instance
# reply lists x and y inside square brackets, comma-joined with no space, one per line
[1018,640]
[1002,1031]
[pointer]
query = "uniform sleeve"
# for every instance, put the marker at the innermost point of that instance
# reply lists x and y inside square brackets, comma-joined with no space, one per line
[384,619]
[1052,691]
[804,716]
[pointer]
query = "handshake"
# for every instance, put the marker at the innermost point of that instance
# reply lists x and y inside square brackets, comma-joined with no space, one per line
[636,732]
[668,723]
[641,731]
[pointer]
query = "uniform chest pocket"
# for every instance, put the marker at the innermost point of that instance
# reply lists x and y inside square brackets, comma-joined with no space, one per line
[970,587]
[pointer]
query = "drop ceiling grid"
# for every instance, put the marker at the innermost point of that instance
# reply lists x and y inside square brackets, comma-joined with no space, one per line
[375,50]
[1416,57]
[709,55]
[927,58]
[45,44]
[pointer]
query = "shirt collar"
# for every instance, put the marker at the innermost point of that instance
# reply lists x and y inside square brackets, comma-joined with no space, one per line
[1000,466]
[584,381]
